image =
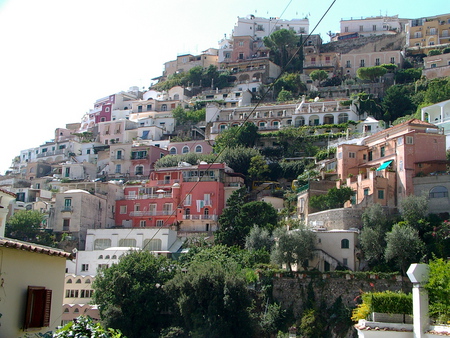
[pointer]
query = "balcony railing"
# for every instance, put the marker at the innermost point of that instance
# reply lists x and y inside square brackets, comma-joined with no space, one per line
[168,182]
[67,209]
[200,217]
[152,213]
[148,196]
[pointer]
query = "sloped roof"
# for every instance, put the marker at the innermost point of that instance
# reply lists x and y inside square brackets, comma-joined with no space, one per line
[31,247]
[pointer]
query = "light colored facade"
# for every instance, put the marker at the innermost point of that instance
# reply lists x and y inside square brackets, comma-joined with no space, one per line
[183,63]
[30,272]
[275,117]
[435,186]
[169,198]
[76,211]
[6,197]
[352,61]
[381,170]
[260,70]
[372,26]
[428,33]
[258,27]
[198,147]
[120,131]
[76,171]
[439,115]
[77,297]
[436,66]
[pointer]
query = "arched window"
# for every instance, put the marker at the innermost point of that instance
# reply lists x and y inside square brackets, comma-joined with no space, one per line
[78,281]
[176,97]
[69,281]
[185,150]
[114,257]
[345,244]
[152,244]
[127,242]
[66,310]
[342,118]
[438,192]
[164,107]
[88,281]
[198,149]
[100,257]
[173,151]
[107,257]
[76,310]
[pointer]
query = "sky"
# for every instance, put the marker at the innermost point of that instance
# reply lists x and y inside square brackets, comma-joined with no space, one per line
[58,56]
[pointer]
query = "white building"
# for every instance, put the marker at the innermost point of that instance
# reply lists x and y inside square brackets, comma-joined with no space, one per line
[372,26]
[258,28]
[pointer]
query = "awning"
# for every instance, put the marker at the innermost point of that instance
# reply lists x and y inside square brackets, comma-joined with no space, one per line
[384,165]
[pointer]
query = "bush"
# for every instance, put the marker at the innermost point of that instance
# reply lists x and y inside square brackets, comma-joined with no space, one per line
[434,52]
[438,287]
[389,302]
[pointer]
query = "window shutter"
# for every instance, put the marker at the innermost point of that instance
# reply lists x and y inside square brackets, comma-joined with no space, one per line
[38,308]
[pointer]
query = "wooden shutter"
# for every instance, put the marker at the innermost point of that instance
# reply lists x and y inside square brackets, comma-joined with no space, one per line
[39,301]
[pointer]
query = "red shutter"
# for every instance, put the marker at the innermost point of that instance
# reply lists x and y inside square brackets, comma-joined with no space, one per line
[39,301]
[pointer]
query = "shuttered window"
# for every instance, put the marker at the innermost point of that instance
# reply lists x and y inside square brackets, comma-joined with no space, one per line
[39,301]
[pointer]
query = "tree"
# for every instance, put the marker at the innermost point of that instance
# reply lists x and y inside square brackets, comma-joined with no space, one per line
[408,75]
[212,300]
[238,158]
[245,135]
[290,82]
[438,287]
[414,209]
[85,327]
[403,246]
[238,219]
[318,75]
[131,296]
[259,169]
[334,198]
[371,73]
[26,225]
[283,45]
[284,95]
[397,102]
[438,90]
[258,238]
[366,103]
[293,246]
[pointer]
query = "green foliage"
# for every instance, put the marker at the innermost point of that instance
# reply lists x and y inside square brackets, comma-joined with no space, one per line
[334,198]
[311,325]
[272,319]
[259,169]
[284,96]
[434,52]
[258,238]
[184,117]
[389,302]
[397,102]
[245,135]
[403,246]
[290,82]
[446,50]
[191,158]
[293,246]
[437,90]
[438,287]
[408,75]
[414,209]
[389,66]
[212,300]
[325,153]
[235,222]
[283,45]
[238,158]
[26,225]
[371,73]
[318,75]
[133,289]
[366,103]
[85,327]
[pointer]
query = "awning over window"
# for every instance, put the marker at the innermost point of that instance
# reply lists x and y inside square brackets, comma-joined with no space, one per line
[384,165]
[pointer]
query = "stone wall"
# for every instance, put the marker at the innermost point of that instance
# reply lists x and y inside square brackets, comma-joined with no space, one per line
[343,218]
[293,292]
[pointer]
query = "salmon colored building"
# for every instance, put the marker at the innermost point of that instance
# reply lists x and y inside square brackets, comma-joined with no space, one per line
[189,198]
[381,170]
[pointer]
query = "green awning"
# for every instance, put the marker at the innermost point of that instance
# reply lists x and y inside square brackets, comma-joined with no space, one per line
[384,165]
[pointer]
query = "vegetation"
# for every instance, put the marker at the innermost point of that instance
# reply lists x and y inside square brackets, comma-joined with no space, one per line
[26,225]
[438,287]
[284,49]
[334,198]
[183,116]
[371,73]
[85,327]
[318,75]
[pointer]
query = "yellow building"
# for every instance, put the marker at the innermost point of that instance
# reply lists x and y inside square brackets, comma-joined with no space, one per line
[428,33]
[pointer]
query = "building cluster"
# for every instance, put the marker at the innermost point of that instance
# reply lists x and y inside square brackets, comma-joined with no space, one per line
[101,194]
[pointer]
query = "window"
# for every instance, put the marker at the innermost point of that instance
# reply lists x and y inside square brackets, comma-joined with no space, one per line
[351,155]
[188,200]
[381,194]
[366,191]
[185,150]
[382,151]
[417,35]
[152,244]
[207,199]
[139,170]
[241,56]
[241,43]
[362,63]
[164,107]
[345,261]
[377,61]
[39,301]
[374,27]
[123,209]
[433,65]
[102,243]
[392,59]
[198,149]
[139,109]
[142,223]
[71,293]
[345,244]
[86,293]
[67,202]
[409,140]
[167,209]
[438,192]
[401,165]
[127,242]
[118,168]
[66,224]
[361,28]
[102,266]
[88,281]
[346,29]
[69,281]
[149,107]
[400,141]
[173,151]
[348,64]
[206,212]
[313,61]
[433,31]
[78,281]
[159,223]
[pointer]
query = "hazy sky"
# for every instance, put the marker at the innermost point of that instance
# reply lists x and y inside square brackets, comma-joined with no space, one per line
[58,56]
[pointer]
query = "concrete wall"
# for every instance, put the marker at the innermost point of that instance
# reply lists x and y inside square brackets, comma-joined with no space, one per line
[344,218]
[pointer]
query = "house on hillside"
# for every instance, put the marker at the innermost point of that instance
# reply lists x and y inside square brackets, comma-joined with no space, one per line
[32,282]
[6,197]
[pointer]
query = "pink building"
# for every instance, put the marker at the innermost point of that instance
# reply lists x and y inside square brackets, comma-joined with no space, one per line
[188,197]
[381,170]
[198,147]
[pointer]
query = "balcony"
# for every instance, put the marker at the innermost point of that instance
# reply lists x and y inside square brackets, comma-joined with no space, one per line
[167,182]
[152,213]
[148,196]
[67,209]
[200,217]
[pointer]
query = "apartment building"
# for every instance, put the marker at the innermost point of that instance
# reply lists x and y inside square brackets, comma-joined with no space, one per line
[183,63]
[373,26]
[436,66]
[188,197]
[275,117]
[439,115]
[382,168]
[428,33]
[351,62]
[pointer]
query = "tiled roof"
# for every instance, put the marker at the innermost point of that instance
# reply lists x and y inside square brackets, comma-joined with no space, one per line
[31,247]
[8,192]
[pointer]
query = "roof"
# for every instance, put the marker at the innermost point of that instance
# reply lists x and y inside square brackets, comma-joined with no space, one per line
[8,192]
[31,247]
[412,122]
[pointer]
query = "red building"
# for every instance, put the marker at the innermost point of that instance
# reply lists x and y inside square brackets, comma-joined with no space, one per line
[191,198]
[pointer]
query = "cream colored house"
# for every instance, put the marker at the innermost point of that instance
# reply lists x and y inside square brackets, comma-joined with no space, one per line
[32,283]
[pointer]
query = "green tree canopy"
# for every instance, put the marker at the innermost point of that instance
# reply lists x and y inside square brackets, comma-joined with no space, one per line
[403,246]
[132,290]
[292,83]
[245,135]
[397,103]
[212,300]
[293,246]
[334,198]
[259,169]
[318,75]
[85,327]
[414,209]
[283,45]
[370,73]
[238,158]
[284,96]
[258,238]
[26,225]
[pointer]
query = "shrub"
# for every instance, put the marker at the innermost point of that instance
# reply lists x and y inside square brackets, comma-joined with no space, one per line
[434,52]
[389,302]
